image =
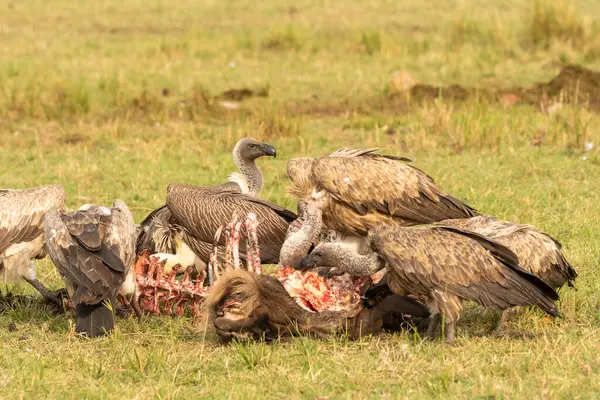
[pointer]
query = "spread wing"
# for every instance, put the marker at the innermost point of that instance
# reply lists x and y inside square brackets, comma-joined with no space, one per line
[465,264]
[22,212]
[373,183]
[91,275]
[201,211]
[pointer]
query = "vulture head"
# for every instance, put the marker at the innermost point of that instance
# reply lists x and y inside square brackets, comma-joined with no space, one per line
[249,149]
[335,258]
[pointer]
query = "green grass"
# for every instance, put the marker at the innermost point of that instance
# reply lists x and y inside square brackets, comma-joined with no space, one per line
[82,102]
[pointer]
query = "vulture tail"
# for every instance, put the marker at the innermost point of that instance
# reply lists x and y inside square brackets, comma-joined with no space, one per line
[94,320]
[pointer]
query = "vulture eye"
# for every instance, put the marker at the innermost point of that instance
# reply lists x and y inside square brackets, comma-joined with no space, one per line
[319,254]
[252,146]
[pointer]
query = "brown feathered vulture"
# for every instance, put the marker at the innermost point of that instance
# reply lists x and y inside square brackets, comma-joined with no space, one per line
[359,190]
[22,213]
[445,265]
[538,252]
[93,249]
[201,212]
[182,231]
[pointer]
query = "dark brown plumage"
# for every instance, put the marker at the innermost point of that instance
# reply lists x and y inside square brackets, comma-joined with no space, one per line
[201,211]
[93,250]
[443,264]
[162,232]
[359,190]
[449,265]
[246,305]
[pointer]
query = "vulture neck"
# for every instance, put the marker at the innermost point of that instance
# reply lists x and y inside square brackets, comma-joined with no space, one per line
[252,178]
[346,258]
[298,243]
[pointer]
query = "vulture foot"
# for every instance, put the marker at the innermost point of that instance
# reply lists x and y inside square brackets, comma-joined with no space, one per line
[54,297]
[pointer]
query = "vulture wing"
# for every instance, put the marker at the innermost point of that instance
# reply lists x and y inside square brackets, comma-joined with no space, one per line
[465,264]
[373,183]
[201,211]
[538,252]
[22,212]
[120,238]
[91,275]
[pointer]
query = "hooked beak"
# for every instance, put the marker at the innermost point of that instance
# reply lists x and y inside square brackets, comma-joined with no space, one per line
[269,150]
[305,263]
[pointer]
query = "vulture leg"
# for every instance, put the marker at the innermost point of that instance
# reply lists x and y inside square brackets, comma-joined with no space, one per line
[507,314]
[434,323]
[50,296]
[450,332]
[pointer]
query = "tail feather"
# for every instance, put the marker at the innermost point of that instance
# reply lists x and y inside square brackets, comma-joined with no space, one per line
[94,320]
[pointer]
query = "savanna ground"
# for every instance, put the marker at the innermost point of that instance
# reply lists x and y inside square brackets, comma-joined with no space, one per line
[118,100]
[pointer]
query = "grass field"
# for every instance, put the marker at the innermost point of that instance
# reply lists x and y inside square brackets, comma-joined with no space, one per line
[119,100]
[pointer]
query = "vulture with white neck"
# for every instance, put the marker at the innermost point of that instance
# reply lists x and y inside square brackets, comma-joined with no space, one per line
[182,231]
[358,190]
[22,213]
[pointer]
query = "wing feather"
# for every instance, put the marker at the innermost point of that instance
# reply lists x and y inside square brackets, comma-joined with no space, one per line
[465,264]
[380,184]
[22,212]
[91,275]
[201,211]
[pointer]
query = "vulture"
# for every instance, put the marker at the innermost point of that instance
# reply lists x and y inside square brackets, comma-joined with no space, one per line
[182,230]
[359,190]
[22,213]
[443,264]
[538,252]
[93,249]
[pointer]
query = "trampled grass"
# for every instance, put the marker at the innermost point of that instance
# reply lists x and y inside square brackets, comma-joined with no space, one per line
[119,100]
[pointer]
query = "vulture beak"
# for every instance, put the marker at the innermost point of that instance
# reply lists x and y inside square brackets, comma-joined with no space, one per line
[269,150]
[305,263]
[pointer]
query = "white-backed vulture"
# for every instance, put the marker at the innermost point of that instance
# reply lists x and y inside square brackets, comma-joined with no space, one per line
[538,252]
[200,212]
[93,249]
[359,190]
[444,264]
[22,213]
[162,234]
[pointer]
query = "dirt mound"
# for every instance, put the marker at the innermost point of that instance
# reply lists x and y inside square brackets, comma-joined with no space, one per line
[574,84]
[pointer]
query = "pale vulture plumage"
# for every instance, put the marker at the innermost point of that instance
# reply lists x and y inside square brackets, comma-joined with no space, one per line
[22,213]
[359,190]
